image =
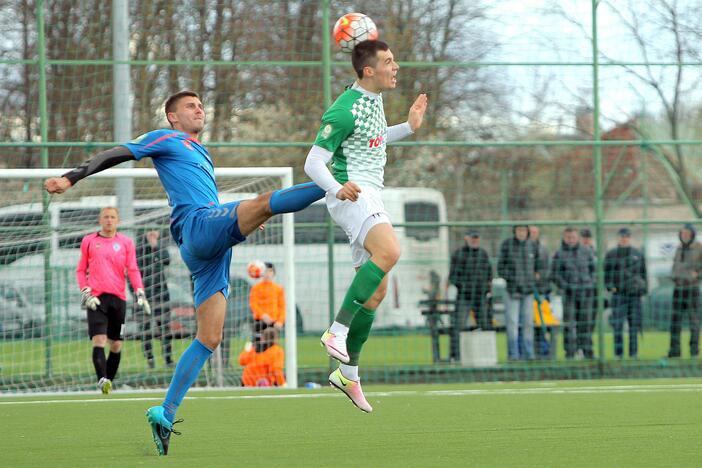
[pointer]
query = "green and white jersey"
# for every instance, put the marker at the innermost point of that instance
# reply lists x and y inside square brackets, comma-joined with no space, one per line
[354,129]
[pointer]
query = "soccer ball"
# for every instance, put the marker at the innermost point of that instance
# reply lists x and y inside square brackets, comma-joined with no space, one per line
[256,268]
[353,28]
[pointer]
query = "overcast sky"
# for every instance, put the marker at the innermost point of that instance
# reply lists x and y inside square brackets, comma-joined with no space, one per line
[530,31]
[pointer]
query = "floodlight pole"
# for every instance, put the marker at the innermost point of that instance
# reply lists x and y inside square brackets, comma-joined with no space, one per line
[44,152]
[122,103]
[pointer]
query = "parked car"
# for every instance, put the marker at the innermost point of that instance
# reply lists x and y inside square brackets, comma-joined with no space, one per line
[19,317]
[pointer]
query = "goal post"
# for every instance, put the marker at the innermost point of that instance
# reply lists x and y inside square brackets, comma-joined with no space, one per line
[72,215]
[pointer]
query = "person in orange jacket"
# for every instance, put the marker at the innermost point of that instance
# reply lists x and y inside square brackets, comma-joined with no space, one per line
[267,302]
[263,368]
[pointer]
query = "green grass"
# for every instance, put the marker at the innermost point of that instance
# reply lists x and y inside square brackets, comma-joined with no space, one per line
[71,357]
[574,424]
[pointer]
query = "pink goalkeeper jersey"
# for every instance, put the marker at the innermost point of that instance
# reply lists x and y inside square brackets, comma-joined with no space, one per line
[103,262]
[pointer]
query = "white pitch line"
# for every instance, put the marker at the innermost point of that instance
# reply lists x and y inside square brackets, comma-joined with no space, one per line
[655,388]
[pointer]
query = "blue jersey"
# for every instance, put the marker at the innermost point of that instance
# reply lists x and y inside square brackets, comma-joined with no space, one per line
[185,169]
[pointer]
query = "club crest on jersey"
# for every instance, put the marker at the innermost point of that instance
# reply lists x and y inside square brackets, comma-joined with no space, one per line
[116,247]
[326,131]
[375,142]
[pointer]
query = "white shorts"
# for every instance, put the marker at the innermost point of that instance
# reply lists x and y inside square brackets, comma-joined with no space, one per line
[357,218]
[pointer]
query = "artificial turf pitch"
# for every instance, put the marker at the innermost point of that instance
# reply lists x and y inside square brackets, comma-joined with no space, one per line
[577,423]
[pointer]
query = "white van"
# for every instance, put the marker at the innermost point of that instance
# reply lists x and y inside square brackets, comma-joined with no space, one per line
[423,249]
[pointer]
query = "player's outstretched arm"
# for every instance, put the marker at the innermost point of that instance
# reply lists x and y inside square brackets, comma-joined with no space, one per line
[414,120]
[416,112]
[97,163]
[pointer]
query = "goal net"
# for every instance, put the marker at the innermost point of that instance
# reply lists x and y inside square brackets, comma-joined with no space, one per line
[44,344]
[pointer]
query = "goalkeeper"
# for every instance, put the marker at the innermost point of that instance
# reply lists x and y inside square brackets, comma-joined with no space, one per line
[104,257]
[203,229]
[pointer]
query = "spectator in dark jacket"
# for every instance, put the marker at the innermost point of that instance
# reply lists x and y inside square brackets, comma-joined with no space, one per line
[586,239]
[543,284]
[519,264]
[471,273]
[626,279]
[152,257]
[687,266]
[573,272]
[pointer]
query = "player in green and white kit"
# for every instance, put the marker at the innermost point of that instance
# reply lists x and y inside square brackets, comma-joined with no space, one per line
[353,135]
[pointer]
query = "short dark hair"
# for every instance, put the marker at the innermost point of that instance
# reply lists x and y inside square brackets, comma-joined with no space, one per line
[173,99]
[365,54]
[570,229]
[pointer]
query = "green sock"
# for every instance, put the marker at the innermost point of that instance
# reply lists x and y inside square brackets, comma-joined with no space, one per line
[364,284]
[358,333]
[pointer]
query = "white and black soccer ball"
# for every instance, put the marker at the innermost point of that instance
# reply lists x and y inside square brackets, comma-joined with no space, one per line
[353,28]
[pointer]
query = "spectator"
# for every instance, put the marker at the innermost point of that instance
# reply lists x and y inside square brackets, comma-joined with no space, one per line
[105,256]
[686,295]
[519,264]
[471,273]
[543,287]
[153,257]
[543,284]
[625,278]
[433,289]
[586,239]
[267,301]
[573,272]
[263,368]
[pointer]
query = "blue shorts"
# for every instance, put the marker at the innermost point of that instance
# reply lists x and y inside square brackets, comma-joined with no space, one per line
[208,235]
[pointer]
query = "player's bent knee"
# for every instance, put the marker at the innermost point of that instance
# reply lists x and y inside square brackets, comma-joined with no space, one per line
[210,340]
[99,340]
[388,257]
[116,346]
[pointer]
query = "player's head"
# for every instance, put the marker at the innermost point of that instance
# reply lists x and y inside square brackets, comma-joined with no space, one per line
[375,65]
[184,112]
[109,219]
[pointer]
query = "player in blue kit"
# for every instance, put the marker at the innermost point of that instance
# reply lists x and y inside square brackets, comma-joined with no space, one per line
[203,229]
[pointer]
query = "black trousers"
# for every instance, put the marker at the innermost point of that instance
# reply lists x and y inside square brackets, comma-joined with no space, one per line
[156,326]
[459,319]
[578,321]
[686,300]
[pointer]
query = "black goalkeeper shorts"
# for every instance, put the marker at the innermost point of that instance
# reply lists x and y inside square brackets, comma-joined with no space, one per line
[108,318]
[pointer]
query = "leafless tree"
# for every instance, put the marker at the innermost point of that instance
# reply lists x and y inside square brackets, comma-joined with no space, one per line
[665,31]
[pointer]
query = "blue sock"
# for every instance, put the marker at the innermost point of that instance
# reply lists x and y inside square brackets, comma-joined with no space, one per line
[185,374]
[295,198]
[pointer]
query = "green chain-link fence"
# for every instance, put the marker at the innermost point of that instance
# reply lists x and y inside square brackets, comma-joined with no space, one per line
[555,115]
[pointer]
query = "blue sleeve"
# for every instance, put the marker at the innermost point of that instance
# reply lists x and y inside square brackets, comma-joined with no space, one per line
[151,144]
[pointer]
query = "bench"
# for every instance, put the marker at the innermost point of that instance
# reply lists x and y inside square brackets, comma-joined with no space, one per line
[434,309]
